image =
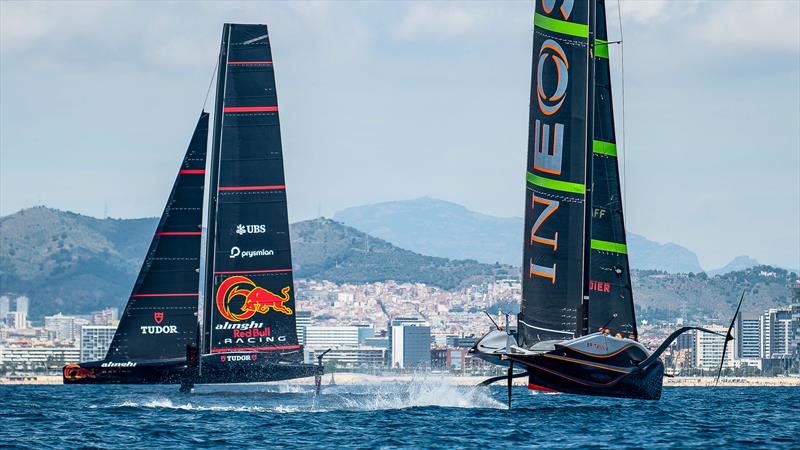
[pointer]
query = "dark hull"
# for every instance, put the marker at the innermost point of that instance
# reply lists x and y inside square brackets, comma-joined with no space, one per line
[225,368]
[228,368]
[586,377]
[98,372]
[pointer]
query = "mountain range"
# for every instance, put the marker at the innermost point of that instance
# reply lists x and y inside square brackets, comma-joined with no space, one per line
[441,228]
[77,264]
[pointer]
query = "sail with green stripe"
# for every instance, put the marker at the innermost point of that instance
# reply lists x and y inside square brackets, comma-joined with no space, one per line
[555,208]
[610,281]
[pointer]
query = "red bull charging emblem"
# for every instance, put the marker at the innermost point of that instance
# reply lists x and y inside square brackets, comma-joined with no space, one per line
[76,372]
[255,299]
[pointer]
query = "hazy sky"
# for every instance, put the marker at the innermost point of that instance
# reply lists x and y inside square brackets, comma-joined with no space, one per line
[385,101]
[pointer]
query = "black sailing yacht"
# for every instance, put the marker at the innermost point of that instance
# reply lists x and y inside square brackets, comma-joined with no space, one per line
[576,332]
[243,328]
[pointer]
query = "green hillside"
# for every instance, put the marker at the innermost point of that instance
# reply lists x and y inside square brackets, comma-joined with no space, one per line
[77,264]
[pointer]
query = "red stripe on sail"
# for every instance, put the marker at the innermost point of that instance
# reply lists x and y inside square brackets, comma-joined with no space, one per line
[253,349]
[253,271]
[166,295]
[250,109]
[192,171]
[261,63]
[252,188]
[179,233]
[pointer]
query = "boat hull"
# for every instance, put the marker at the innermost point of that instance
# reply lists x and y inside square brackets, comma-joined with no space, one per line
[251,368]
[575,378]
[225,368]
[109,372]
[596,364]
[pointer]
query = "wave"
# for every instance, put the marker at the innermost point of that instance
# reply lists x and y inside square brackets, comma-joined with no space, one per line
[420,392]
[166,403]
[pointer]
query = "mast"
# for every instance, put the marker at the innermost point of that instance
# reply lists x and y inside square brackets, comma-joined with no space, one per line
[211,206]
[583,323]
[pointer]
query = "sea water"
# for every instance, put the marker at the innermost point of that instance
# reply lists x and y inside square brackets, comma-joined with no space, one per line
[424,413]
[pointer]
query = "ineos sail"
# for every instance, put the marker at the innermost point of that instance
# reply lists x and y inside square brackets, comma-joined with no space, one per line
[576,329]
[556,174]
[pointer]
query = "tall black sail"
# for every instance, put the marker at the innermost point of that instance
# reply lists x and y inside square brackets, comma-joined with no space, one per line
[249,292]
[610,282]
[160,318]
[556,173]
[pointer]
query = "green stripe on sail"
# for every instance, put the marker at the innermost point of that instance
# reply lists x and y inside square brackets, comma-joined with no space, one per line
[604,148]
[605,246]
[561,26]
[601,48]
[564,186]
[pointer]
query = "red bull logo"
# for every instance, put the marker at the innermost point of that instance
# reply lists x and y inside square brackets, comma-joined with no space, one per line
[76,372]
[255,299]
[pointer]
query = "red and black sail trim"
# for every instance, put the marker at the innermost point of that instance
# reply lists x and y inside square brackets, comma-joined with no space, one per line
[160,318]
[249,291]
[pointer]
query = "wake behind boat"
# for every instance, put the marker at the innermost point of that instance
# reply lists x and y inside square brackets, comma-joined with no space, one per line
[243,329]
[576,330]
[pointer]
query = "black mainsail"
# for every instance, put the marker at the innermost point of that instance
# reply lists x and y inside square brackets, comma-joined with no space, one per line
[610,280]
[249,302]
[552,286]
[160,318]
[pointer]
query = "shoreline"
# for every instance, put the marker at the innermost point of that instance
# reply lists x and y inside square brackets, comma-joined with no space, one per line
[346,378]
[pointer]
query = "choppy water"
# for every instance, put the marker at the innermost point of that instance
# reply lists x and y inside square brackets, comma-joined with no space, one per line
[422,414]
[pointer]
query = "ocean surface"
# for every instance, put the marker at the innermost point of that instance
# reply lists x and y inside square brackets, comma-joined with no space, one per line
[425,413]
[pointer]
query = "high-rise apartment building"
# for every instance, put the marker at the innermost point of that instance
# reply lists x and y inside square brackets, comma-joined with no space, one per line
[411,344]
[95,340]
[777,333]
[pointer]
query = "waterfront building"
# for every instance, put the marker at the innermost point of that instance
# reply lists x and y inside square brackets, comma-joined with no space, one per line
[31,358]
[465,341]
[22,305]
[456,359]
[365,332]
[325,337]
[353,357]
[17,320]
[379,342]
[439,358]
[95,340]
[61,328]
[5,307]
[399,321]
[776,333]
[411,344]
[108,316]
[302,321]
[708,349]
[748,335]
[795,311]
